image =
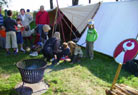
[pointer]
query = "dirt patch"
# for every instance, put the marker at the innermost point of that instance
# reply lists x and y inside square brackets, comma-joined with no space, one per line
[4,76]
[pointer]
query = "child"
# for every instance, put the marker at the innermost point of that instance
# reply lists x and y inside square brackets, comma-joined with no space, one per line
[10,24]
[90,39]
[77,53]
[19,29]
[2,37]
[65,52]
[44,38]
[39,44]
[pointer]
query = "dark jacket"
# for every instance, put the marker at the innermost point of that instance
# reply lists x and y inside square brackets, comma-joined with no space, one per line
[9,24]
[57,47]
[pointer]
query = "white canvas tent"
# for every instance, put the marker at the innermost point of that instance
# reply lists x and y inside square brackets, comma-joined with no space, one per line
[114,22]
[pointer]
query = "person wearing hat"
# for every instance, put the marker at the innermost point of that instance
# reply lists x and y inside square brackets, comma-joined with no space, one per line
[90,39]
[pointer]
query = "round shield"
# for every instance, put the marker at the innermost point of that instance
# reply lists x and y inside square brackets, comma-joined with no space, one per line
[126,50]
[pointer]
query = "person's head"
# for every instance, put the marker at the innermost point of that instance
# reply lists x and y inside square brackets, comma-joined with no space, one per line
[41,8]
[46,28]
[65,45]
[57,35]
[22,11]
[28,10]
[91,23]
[18,20]
[9,13]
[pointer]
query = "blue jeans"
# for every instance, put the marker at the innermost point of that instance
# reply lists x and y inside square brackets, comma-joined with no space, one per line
[40,30]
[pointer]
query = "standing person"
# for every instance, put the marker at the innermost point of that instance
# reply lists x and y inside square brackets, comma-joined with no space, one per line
[90,39]
[19,29]
[41,19]
[10,24]
[2,31]
[26,20]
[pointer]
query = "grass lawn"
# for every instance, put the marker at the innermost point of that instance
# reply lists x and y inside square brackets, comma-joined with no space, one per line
[84,78]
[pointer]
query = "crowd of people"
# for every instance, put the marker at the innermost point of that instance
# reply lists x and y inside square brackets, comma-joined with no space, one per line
[17,34]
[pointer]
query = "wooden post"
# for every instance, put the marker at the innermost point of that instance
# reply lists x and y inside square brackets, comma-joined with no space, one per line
[116,75]
[56,16]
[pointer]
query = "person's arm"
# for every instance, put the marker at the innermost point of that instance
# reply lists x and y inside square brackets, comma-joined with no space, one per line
[56,47]
[36,19]
[48,19]
[96,35]
[30,18]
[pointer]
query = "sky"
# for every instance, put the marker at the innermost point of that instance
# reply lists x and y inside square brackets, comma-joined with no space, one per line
[34,5]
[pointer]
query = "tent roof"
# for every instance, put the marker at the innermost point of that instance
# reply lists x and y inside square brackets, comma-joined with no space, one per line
[79,15]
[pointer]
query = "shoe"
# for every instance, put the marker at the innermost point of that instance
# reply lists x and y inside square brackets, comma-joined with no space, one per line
[34,54]
[91,58]
[8,53]
[22,50]
[15,52]
[67,59]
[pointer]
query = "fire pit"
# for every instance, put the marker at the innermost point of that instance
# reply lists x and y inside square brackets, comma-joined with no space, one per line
[32,70]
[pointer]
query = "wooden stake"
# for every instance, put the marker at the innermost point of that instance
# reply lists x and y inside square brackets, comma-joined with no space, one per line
[116,75]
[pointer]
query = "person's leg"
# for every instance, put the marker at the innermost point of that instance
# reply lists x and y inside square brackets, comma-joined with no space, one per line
[3,42]
[40,30]
[8,44]
[14,40]
[91,53]
[87,49]
[21,42]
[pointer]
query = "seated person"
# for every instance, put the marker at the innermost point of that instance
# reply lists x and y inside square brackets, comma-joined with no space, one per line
[76,52]
[65,52]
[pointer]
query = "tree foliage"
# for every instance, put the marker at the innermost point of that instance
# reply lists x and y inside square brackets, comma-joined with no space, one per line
[3,2]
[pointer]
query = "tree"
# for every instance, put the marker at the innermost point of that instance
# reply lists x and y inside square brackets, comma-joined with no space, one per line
[51,4]
[89,1]
[3,2]
[75,2]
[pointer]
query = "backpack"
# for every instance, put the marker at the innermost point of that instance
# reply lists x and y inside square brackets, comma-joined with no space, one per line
[49,46]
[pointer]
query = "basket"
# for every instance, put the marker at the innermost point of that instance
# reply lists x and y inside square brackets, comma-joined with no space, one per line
[32,70]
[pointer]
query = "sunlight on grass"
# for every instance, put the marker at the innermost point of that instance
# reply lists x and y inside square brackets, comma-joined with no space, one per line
[84,78]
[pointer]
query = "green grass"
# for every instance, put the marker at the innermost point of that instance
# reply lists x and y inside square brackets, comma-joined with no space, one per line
[84,78]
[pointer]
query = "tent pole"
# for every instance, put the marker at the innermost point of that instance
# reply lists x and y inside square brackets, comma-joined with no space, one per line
[68,26]
[62,28]
[71,28]
[55,21]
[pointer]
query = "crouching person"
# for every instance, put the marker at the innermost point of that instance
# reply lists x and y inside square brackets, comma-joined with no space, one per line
[76,52]
[52,49]
[65,52]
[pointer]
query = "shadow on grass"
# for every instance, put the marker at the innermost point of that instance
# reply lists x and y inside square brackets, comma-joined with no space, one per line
[8,63]
[102,66]
[8,92]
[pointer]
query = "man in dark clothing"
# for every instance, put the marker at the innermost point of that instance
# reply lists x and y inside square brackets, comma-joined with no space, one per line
[10,24]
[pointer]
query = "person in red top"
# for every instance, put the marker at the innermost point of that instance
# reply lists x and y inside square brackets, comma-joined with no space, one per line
[41,19]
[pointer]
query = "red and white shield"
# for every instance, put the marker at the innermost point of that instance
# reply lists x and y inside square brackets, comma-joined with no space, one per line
[126,50]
